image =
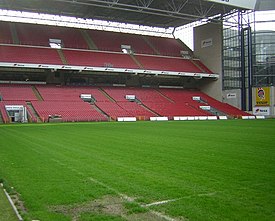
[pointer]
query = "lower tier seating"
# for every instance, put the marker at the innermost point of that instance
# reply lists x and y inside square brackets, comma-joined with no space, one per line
[109,102]
[17,92]
[5,116]
[69,111]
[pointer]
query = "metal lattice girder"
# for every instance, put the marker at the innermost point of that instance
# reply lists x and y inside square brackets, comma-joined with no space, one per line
[159,13]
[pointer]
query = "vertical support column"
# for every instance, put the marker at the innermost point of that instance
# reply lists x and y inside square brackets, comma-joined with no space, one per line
[250,66]
[243,72]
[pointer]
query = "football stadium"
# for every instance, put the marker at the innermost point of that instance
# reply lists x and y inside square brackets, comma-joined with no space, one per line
[145,110]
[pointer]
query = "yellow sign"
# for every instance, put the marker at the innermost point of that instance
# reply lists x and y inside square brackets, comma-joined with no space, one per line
[263,96]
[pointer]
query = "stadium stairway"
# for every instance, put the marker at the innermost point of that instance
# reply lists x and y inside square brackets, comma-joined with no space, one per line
[15,38]
[151,45]
[199,67]
[136,61]
[1,119]
[33,111]
[62,56]
[93,105]
[37,94]
[88,39]
[150,110]
[106,95]
[166,97]
[217,112]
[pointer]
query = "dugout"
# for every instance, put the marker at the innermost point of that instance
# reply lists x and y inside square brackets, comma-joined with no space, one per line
[17,113]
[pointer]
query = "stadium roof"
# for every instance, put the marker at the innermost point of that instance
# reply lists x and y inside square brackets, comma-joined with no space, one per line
[157,13]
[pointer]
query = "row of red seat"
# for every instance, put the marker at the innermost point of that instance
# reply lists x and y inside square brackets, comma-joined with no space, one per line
[65,101]
[67,93]
[39,35]
[69,111]
[33,55]
[17,92]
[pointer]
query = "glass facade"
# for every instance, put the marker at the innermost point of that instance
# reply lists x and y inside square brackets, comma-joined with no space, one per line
[231,58]
[261,53]
[264,58]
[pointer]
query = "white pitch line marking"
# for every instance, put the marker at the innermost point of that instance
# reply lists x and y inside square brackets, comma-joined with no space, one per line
[161,202]
[177,199]
[123,196]
[13,206]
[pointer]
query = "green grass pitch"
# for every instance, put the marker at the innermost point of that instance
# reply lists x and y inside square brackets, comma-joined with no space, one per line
[199,170]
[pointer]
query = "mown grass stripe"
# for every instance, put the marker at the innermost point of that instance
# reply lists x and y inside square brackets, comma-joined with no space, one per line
[148,161]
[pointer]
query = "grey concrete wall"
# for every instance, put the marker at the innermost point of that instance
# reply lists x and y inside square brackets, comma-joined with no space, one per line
[229,97]
[208,48]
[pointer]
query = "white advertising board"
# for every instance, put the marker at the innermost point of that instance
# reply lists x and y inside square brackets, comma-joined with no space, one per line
[14,107]
[205,107]
[130,97]
[248,4]
[262,111]
[196,98]
[86,96]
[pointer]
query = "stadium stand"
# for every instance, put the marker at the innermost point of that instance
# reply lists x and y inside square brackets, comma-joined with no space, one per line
[17,92]
[67,110]
[224,107]
[71,107]
[68,93]
[142,94]
[167,64]
[112,41]
[5,36]
[202,66]
[99,59]
[33,36]
[156,102]
[186,96]
[39,35]
[136,109]
[109,102]
[113,110]
[33,55]
[28,43]
[166,46]
[31,116]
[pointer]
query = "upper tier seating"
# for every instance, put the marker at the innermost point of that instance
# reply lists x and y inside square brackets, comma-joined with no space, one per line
[112,41]
[5,33]
[17,92]
[39,35]
[20,54]
[150,52]
[99,59]
[203,67]
[167,64]
[166,46]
